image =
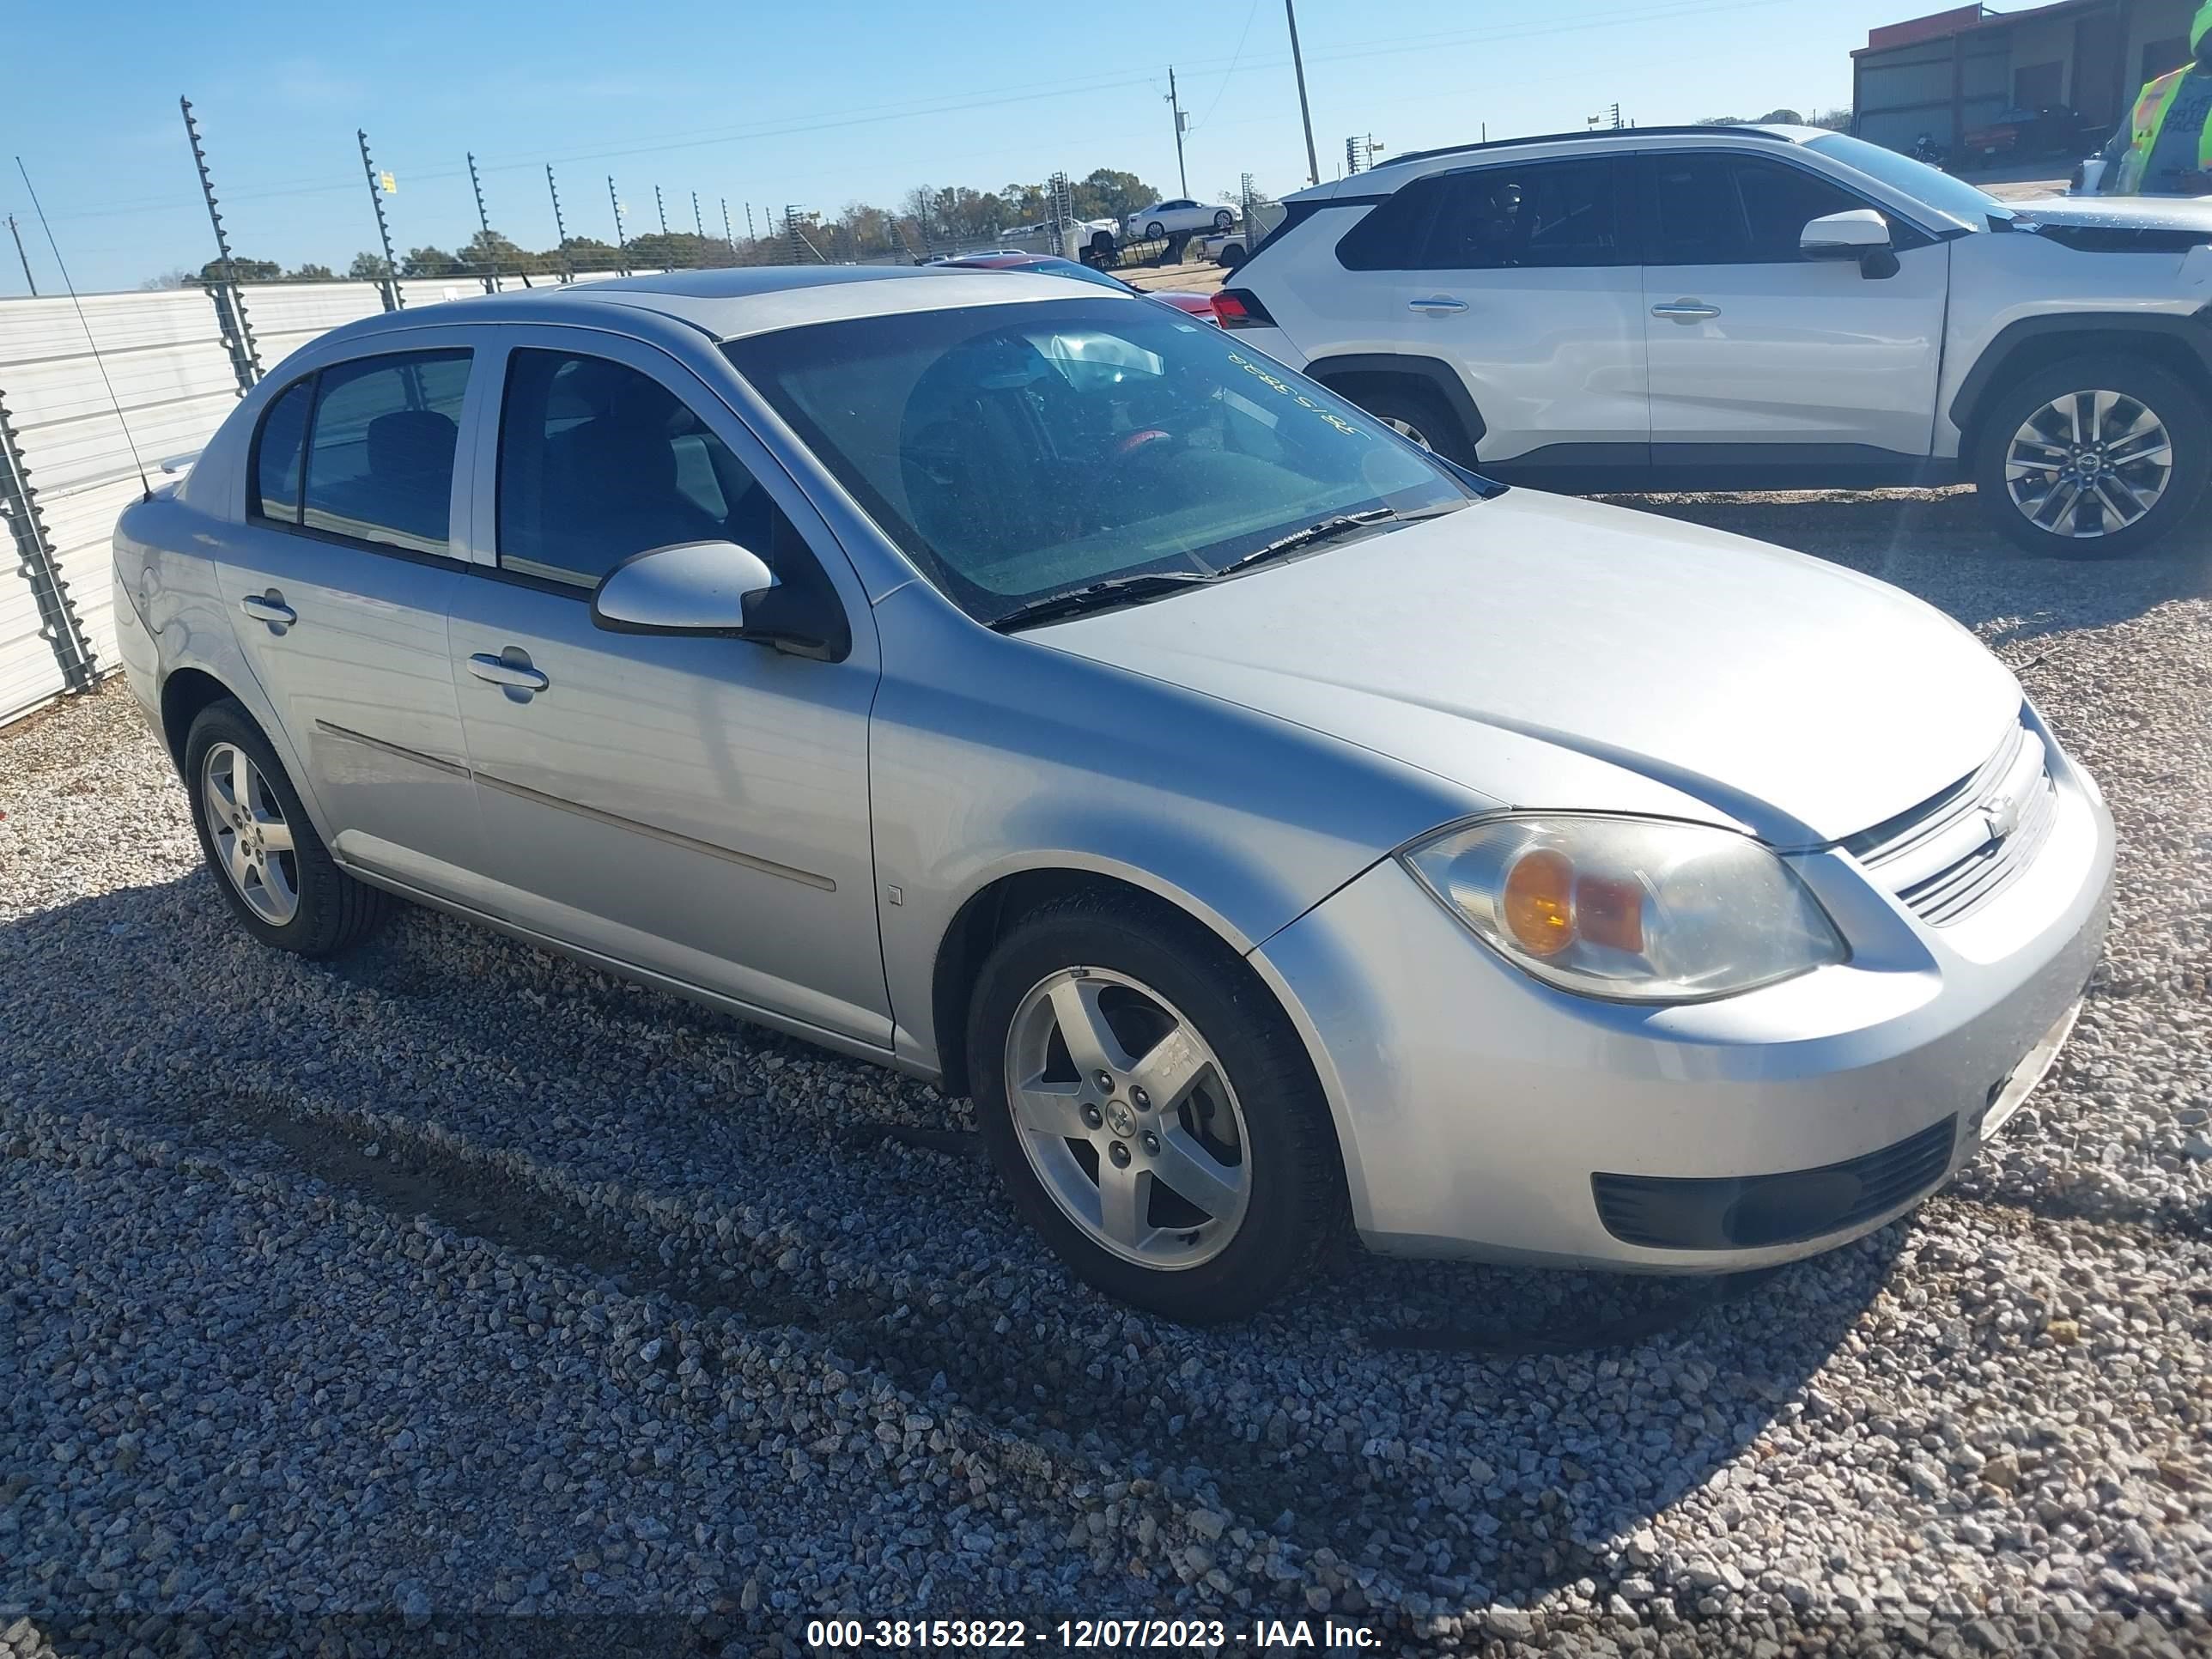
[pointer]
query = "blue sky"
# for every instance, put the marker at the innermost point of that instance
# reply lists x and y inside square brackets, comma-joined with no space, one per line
[817,104]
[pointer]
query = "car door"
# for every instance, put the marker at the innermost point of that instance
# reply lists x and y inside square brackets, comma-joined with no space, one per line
[1521,278]
[695,807]
[1753,345]
[339,583]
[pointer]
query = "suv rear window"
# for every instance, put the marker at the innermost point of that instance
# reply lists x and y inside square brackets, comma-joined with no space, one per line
[1537,216]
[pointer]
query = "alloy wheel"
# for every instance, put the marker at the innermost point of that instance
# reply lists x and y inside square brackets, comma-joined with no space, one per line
[1128,1119]
[253,840]
[2089,464]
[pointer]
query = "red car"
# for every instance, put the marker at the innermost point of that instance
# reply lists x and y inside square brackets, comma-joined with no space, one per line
[1195,304]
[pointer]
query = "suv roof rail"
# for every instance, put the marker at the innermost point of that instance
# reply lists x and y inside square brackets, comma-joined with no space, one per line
[1744,130]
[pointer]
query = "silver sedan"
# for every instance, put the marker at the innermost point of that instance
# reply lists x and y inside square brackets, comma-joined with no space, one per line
[1269,824]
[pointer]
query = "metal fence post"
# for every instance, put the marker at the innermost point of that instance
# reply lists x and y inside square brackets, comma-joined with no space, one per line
[229,302]
[37,563]
[392,298]
[483,219]
[560,228]
[237,331]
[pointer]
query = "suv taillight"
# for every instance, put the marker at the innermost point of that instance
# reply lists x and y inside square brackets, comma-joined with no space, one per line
[1239,307]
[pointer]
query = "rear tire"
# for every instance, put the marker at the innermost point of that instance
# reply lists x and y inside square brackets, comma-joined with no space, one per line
[1417,414]
[1268,1184]
[2093,457]
[274,871]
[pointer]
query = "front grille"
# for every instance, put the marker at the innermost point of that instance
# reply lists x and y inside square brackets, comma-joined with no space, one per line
[1952,854]
[1750,1212]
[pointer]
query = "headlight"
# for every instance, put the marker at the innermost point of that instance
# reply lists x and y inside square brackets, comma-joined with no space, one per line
[1637,909]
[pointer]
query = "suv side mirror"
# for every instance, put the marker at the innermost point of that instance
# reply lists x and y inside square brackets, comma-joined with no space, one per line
[717,589]
[1861,234]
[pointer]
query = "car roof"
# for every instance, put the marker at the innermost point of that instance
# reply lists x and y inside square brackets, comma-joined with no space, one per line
[1388,174]
[732,303]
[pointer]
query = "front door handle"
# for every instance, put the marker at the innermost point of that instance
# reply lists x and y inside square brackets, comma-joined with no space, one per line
[268,608]
[1688,311]
[515,676]
[1436,305]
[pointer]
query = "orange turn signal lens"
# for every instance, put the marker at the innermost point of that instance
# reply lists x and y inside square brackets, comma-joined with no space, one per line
[1539,902]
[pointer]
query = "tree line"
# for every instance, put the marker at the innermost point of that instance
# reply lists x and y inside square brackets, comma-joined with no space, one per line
[928,219]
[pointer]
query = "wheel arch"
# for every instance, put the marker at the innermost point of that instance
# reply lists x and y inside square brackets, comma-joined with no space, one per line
[1348,371]
[988,913]
[2034,343]
[185,693]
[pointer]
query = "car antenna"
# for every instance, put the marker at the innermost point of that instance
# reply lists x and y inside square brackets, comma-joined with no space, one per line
[85,323]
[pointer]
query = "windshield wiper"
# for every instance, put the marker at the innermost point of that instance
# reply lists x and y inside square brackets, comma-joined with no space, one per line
[1094,596]
[1326,530]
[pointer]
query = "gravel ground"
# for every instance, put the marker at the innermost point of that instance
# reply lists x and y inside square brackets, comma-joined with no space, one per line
[452,1294]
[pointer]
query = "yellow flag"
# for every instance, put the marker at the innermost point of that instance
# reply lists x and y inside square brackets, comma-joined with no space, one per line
[391,184]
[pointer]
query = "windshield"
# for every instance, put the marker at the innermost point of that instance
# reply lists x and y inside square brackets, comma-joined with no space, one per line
[1020,451]
[1914,179]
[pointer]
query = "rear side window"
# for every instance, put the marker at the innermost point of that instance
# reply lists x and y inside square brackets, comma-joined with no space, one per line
[1713,208]
[380,449]
[598,461]
[273,492]
[1544,216]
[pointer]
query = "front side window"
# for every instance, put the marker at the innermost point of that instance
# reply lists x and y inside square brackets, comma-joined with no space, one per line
[599,461]
[274,490]
[1952,196]
[1708,208]
[380,453]
[1018,452]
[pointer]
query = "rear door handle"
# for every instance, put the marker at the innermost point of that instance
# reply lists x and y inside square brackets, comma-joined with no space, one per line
[1687,311]
[505,671]
[1436,305]
[268,609]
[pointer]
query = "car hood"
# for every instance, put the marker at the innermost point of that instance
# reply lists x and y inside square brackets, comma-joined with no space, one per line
[2117,212]
[1549,652]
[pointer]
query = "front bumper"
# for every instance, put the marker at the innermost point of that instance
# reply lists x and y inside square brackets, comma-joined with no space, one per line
[1481,1114]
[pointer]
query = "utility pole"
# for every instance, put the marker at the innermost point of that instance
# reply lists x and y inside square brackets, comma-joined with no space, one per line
[29,281]
[1183,178]
[230,305]
[1305,114]
[394,300]
[660,207]
[622,242]
[483,221]
[560,228]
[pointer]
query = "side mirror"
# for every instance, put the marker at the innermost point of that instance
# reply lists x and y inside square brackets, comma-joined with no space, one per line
[1861,234]
[719,589]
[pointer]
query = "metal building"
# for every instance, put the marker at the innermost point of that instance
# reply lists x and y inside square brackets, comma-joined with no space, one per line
[1958,72]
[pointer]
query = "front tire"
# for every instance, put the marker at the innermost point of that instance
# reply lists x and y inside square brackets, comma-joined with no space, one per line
[1150,1108]
[2092,458]
[1155,232]
[278,876]
[1223,219]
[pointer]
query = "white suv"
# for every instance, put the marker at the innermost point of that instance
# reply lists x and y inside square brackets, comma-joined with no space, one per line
[1168,218]
[1759,307]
